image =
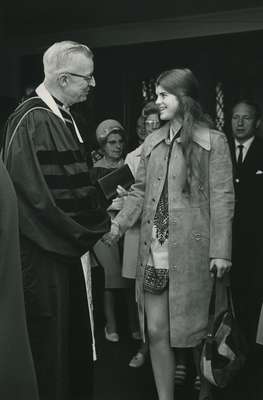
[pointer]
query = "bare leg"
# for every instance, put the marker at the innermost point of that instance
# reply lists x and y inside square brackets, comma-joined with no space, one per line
[109,311]
[162,355]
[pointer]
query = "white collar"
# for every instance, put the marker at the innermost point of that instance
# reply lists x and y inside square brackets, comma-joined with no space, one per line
[246,144]
[44,94]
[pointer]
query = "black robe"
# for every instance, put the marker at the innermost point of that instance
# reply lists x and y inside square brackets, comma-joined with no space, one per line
[60,220]
[17,376]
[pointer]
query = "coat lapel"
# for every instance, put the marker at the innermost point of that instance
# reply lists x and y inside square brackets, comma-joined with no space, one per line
[201,136]
[250,156]
[156,137]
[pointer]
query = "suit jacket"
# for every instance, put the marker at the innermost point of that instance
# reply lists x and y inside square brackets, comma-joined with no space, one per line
[248,183]
[247,268]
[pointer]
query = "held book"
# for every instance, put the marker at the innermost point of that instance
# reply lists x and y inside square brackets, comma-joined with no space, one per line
[121,176]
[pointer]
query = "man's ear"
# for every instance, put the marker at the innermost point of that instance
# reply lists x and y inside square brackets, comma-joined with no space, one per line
[63,80]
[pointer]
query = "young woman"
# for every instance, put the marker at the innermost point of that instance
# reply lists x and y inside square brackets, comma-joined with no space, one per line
[184,196]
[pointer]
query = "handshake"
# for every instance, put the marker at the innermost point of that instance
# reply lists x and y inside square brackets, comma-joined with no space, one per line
[110,238]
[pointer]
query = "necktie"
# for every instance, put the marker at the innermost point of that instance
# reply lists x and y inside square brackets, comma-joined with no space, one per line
[240,157]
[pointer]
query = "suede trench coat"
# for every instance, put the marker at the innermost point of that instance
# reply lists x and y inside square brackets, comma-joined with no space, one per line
[200,224]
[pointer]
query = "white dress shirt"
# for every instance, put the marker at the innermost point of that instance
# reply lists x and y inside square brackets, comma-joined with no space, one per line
[246,146]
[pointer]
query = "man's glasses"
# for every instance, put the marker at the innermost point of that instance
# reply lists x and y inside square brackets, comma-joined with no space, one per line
[87,78]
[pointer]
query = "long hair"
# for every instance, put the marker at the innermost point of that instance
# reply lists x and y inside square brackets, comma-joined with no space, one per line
[183,84]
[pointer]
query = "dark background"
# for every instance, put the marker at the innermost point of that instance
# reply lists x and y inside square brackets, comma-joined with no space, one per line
[235,60]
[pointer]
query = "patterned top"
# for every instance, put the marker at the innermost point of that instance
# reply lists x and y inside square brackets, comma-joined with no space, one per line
[159,255]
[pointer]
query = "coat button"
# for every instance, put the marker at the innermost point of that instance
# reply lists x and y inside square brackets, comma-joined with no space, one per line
[148,222]
[174,266]
[145,243]
[153,199]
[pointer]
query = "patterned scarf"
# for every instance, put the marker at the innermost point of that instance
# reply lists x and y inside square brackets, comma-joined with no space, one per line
[161,218]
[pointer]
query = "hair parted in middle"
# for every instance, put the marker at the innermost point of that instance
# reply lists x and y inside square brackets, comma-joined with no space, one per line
[183,84]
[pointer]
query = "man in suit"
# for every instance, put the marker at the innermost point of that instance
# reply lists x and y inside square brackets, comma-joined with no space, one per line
[247,270]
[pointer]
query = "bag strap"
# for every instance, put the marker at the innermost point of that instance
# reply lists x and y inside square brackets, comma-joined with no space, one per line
[212,304]
[230,303]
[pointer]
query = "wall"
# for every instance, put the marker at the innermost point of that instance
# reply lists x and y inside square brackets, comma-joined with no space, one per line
[126,34]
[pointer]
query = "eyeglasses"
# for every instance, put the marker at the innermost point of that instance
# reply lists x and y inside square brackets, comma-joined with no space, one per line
[87,78]
[152,123]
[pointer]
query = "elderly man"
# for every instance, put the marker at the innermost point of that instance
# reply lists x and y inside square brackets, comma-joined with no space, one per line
[59,221]
[247,271]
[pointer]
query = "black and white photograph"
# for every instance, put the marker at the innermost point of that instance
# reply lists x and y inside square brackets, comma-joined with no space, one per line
[131,205]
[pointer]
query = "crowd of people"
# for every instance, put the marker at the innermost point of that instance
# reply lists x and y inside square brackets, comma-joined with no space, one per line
[194,213]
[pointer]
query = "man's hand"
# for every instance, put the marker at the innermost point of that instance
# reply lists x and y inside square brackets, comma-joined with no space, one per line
[112,237]
[121,191]
[220,266]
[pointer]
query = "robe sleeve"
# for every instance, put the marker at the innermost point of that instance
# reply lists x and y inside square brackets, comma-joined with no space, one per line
[41,220]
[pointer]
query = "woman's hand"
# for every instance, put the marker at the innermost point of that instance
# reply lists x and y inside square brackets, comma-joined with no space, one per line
[121,191]
[220,266]
[118,202]
[112,237]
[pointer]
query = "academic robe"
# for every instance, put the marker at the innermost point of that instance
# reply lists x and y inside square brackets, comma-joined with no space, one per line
[17,375]
[60,220]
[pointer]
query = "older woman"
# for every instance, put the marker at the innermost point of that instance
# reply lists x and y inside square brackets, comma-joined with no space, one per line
[184,196]
[111,139]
